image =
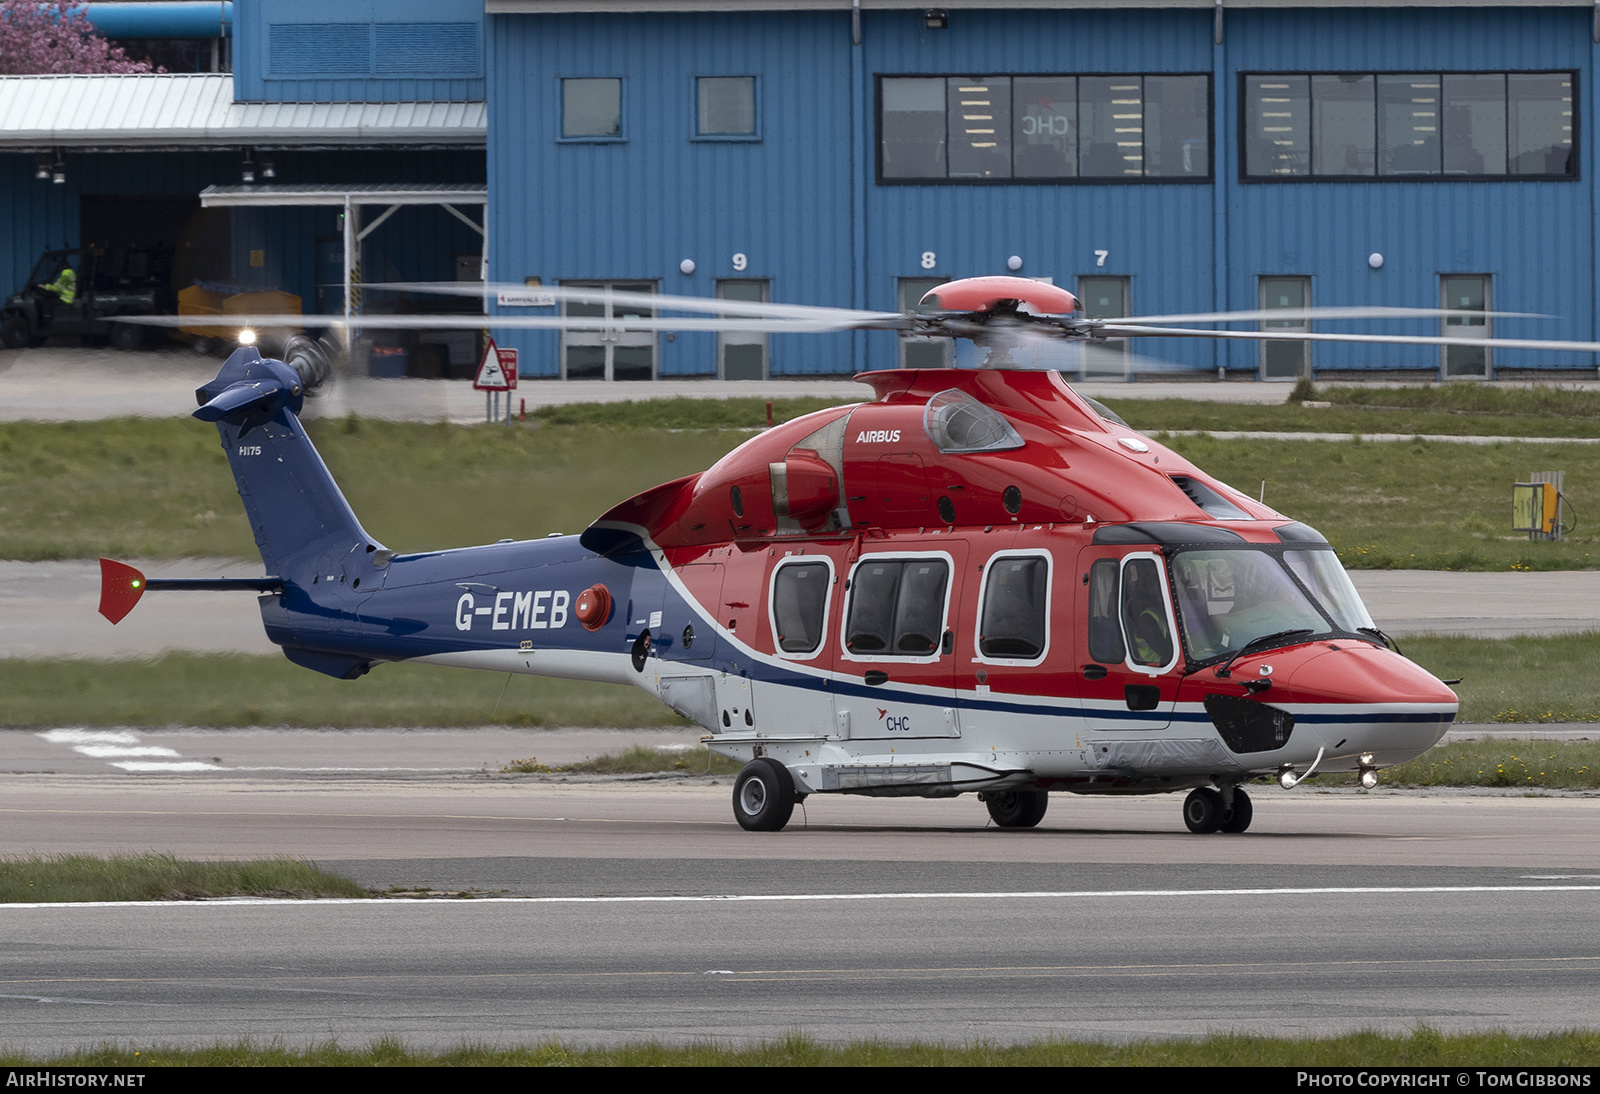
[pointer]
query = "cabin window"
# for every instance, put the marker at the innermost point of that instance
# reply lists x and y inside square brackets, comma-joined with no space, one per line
[800,605]
[1016,599]
[897,607]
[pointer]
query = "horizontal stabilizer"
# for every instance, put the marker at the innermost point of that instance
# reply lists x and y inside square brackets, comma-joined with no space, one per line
[121,586]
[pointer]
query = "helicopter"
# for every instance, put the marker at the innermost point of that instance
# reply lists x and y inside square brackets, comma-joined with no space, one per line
[975,581]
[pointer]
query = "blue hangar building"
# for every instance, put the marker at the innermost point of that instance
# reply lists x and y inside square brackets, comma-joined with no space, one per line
[1155,158]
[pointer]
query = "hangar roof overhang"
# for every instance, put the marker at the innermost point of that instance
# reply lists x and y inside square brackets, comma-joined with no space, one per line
[153,112]
[443,193]
[535,7]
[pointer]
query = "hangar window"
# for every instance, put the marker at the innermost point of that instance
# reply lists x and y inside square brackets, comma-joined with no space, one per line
[1485,125]
[1037,129]
[726,107]
[591,109]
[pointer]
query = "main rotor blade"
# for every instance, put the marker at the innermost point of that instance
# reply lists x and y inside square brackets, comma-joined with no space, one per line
[458,321]
[587,294]
[1126,331]
[1308,314]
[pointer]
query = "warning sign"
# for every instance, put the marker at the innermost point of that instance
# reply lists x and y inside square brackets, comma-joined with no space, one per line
[498,369]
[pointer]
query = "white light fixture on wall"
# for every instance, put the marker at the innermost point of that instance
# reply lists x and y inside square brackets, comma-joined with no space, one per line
[686,267]
[1375,260]
[1014,263]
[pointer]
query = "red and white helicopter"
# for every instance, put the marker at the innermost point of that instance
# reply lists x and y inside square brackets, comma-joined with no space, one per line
[975,581]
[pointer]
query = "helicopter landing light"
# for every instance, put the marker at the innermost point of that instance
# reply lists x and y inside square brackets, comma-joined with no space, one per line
[247,337]
[1133,444]
[1289,780]
[1369,778]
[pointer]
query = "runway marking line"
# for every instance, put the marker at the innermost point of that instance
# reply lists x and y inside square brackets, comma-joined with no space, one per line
[797,898]
[1520,964]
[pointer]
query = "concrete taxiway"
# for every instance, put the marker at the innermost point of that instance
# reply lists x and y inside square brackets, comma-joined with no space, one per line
[608,912]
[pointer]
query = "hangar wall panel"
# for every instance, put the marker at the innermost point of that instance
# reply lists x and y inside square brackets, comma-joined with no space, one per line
[359,50]
[805,204]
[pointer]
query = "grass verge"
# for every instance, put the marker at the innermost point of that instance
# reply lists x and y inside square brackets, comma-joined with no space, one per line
[1502,763]
[1516,680]
[637,760]
[1422,1047]
[222,690]
[161,488]
[1473,410]
[67,878]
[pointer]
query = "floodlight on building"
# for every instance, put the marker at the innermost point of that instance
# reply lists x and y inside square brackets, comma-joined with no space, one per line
[269,170]
[935,19]
[58,172]
[41,169]
[247,171]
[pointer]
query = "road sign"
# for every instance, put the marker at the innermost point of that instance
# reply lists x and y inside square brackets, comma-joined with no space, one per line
[498,369]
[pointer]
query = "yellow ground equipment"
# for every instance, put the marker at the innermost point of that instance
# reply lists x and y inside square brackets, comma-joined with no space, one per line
[200,301]
[1536,508]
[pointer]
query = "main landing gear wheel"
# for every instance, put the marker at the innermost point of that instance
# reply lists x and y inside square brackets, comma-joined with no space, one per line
[1202,810]
[1017,808]
[1239,819]
[763,796]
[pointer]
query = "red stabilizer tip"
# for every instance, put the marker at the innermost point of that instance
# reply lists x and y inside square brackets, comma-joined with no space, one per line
[121,586]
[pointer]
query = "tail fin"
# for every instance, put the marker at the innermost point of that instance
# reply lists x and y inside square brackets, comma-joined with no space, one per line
[302,522]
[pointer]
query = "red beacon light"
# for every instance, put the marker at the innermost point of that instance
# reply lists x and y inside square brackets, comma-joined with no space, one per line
[981,294]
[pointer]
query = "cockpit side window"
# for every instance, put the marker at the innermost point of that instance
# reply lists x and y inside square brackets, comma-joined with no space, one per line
[1015,604]
[1144,614]
[799,605]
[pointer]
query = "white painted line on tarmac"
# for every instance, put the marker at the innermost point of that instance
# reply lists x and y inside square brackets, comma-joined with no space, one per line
[157,765]
[802,898]
[89,737]
[101,752]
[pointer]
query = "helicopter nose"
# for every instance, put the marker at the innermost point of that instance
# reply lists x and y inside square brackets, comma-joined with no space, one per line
[1355,672]
[1363,699]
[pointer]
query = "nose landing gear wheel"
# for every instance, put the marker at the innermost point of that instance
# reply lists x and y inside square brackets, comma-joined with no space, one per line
[1239,819]
[763,796]
[1017,808]
[1202,810]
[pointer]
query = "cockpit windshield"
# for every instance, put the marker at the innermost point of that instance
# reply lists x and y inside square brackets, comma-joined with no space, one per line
[1320,572]
[1229,598]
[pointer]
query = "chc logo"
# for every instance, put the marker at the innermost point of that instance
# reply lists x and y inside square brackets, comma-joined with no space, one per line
[894,724]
